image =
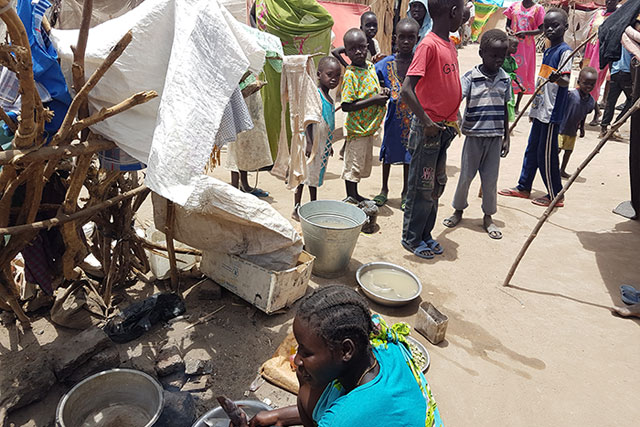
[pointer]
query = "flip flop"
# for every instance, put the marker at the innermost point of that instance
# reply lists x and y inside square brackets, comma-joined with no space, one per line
[629,294]
[403,204]
[452,221]
[514,192]
[435,247]
[493,231]
[421,251]
[545,202]
[380,199]
[351,200]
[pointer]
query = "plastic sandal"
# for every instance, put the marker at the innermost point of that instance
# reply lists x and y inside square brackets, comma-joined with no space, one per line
[380,199]
[421,251]
[514,192]
[435,247]
[629,294]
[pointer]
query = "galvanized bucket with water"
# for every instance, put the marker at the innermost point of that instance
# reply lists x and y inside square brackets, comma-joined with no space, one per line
[330,231]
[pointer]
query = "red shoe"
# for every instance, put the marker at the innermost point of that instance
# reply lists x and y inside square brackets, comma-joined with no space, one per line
[514,192]
[545,202]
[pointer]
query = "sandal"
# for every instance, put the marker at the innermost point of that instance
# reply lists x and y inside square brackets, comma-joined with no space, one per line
[545,202]
[258,192]
[351,200]
[514,192]
[493,231]
[421,251]
[629,295]
[435,247]
[380,199]
[403,204]
[452,221]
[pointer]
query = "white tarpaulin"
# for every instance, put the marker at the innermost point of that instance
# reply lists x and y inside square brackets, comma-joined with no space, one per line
[193,53]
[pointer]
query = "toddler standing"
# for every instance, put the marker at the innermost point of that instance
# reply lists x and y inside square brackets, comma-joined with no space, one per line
[580,103]
[320,136]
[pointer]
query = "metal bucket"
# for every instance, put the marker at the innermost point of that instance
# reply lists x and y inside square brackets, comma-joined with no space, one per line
[117,397]
[330,230]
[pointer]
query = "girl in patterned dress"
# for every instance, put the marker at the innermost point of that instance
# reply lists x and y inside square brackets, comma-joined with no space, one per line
[391,73]
[524,20]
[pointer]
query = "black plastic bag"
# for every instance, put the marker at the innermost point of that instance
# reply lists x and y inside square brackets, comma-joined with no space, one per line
[139,317]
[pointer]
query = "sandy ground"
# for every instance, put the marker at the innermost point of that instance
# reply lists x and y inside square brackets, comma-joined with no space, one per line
[546,351]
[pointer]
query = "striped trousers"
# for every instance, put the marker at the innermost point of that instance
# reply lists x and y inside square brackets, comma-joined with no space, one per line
[541,154]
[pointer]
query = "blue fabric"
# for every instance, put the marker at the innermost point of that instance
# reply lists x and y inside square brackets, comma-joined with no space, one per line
[623,64]
[542,154]
[392,399]
[427,23]
[576,111]
[398,121]
[329,116]
[46,69]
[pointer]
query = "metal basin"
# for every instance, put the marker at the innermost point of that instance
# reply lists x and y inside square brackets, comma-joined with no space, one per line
[330,230]
[217,417]
[386,299]
[113,398]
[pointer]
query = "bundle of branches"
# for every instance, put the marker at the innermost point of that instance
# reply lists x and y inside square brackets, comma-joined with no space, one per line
[31,164]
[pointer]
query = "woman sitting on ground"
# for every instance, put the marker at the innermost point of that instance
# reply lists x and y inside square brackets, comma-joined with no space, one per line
[353,369]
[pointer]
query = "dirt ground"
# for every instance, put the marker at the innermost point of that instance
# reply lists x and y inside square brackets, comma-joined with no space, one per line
[545,351]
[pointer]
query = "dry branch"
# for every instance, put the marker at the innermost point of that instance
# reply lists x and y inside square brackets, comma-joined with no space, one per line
[21,157]
[62,218]
[560,195]
[105,113]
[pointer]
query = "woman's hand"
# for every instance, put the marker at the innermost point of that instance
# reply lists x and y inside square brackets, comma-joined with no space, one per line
[265,419]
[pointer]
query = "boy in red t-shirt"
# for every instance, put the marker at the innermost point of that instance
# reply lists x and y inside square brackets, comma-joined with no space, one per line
[432,90]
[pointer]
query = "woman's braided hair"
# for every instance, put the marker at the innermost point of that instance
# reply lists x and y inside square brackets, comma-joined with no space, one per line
[337,312]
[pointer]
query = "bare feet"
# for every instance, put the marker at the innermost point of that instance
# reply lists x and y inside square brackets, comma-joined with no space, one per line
[294,214]
[630,311]
[492,230]
[564,174]
[453,220]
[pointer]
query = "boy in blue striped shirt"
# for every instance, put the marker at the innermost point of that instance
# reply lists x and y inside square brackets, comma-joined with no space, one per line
[487,88]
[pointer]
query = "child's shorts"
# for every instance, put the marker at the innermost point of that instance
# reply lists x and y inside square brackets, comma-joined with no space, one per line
[358,158]
[566,142]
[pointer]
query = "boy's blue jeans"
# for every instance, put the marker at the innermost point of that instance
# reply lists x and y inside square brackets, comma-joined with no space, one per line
[542,154]
[426,181]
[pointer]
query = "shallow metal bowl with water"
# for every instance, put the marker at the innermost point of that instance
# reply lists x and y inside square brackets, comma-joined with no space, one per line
[117,397]
[387,294]
[217,418]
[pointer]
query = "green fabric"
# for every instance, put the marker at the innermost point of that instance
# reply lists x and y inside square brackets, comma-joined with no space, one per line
[510,66]
[304,28]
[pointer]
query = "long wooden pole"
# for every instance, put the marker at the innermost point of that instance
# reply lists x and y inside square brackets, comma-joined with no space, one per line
[568,184]
[539,88]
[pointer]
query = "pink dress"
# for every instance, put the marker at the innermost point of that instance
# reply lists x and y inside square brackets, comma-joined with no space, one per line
[592,51]
[525,20]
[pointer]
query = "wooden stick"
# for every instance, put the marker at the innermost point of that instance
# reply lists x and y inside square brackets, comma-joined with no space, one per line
[105,113]
[151,245]
[204,319]
[62,218]
[48,153]
[539,88]
[168,231]
[560,195]
[115,53]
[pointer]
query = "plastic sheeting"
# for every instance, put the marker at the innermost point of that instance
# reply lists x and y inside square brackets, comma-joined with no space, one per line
[193,53]
[221,218]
